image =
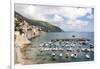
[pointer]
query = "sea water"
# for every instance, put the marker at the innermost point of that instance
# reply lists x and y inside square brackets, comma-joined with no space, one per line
[65,35]
[47,36]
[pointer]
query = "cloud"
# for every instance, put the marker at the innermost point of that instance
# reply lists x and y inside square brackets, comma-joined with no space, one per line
[58,14]
[31,11]
[57,18]
[77,25]
[27,11]
[74,13]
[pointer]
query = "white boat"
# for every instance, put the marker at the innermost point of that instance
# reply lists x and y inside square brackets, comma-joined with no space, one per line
[60,54]
[72,55]
[66,45]
[53,54]
[69,49]
[87,56]
[88,50]
[83,49]
[46,44]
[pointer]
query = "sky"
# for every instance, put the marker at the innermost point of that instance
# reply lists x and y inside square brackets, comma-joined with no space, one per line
[78,19]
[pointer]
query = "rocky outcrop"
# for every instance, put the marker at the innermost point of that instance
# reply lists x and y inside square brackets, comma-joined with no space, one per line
[23,32]
[21,46]
[23,26]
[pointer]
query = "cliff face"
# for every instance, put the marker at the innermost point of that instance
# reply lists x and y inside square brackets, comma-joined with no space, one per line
[23,32]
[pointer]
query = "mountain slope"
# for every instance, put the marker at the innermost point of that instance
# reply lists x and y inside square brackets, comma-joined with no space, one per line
[45,26]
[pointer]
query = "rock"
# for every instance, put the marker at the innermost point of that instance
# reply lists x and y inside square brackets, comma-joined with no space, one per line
[23,32]
[21,39]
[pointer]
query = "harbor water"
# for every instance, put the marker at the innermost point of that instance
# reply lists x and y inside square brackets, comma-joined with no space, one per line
[41,55]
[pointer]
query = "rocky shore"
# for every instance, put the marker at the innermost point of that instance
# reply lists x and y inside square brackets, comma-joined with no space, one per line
[24,31]
[22,35]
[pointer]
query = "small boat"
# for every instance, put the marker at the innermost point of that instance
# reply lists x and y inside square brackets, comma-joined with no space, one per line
[66,45]
[67,42]
[83,49]
[46,44]
[73,55]
[53,54]
[88,50]
[87,56]
[60,54]
[69,49]
[73,45]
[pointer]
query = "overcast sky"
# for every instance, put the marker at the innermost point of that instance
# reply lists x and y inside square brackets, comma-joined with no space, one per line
[67,18]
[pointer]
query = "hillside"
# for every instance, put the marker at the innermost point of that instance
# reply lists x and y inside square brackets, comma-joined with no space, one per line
[45,26]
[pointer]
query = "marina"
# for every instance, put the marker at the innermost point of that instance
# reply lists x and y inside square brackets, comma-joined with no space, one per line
[66,50]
